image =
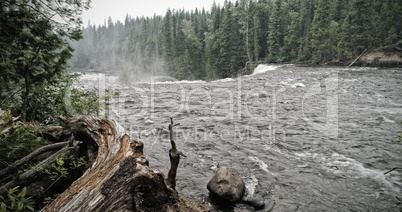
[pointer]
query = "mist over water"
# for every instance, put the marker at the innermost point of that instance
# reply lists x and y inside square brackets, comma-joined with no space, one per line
[308,138]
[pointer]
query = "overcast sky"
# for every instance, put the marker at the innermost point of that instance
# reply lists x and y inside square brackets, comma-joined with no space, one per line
[117,9]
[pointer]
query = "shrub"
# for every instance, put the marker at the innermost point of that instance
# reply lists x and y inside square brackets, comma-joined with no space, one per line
[16,201]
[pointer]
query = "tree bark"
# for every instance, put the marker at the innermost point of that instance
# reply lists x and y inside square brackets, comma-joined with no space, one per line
[119,178]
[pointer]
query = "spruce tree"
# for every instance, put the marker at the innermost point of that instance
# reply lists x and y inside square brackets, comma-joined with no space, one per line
[35,52]
[320,43]
[224,40]
[306,15]
[275,33]
[293,26]
[357,31]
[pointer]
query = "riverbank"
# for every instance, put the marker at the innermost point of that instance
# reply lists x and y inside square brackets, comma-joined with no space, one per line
[381,59]
[388,59]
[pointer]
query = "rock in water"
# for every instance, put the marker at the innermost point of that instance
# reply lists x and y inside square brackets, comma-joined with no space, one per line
[227,184]
[257,203]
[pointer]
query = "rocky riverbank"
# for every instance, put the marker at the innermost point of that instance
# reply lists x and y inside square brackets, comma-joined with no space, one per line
[381,59]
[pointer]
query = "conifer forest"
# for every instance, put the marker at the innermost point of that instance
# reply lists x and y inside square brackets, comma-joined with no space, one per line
[218,42]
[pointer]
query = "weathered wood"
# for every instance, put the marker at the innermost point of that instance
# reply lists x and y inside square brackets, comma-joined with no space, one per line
[119,178]
[53,133]
[357,58]
[174,156]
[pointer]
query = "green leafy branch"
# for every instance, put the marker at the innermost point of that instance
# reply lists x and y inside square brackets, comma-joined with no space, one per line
[16,140]
[64,164]
[16,201]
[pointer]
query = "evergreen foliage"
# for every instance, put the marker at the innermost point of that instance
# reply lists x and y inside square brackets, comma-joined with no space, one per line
[16,140]
[219,42]
[34,51]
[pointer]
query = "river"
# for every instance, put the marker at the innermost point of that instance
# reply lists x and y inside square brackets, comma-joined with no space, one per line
[306,138]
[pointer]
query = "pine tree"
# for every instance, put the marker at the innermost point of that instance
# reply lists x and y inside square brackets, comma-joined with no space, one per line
[224,40]
[275,34]
[242,14]
[262,11]
[256,33]
[357,32]
[231,53]
[181,56]
[239,53]
[212,46]
[320,43]
[306,15]
[389,24]
[168,38]
[293,28]
[35,51]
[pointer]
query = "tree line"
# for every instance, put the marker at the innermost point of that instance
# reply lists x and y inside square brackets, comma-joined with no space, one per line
[218,43]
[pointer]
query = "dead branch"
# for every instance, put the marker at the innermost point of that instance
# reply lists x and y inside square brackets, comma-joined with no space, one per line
[33,173]
[118,177]
[13,167]
[392,170]
[174,156]
[357,58]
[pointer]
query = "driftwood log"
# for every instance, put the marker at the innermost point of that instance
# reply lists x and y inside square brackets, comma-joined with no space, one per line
[117,176]
[120,178]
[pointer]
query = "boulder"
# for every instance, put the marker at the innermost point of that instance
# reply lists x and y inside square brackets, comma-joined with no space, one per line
[227,184]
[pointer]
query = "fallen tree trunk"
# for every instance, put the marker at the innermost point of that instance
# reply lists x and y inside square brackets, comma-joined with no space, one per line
[119,178]
[357,58]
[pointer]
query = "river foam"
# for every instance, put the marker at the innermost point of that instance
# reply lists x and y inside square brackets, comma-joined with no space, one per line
[276,151]
[262,68]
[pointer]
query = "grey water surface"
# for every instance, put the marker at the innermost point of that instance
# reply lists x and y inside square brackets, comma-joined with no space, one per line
[306,138]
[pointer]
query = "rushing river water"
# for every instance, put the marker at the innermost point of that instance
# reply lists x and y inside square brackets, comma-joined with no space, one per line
[309,139]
